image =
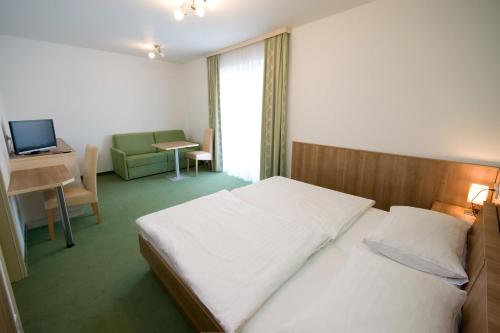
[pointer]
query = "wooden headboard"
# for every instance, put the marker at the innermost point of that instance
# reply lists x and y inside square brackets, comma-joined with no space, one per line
[386,178]
[404,180]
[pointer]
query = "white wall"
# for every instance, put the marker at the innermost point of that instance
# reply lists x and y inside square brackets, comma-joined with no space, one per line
[90,94]
[4,153]
[195,104]
[419,77]
[5,171]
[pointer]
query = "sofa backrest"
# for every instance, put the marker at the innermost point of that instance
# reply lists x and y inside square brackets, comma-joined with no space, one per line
[166,136]
[134,143]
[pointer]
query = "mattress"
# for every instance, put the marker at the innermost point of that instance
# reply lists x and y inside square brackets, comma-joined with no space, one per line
[313,278]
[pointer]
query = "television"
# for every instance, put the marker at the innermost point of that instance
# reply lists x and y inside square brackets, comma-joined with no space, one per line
[32,136]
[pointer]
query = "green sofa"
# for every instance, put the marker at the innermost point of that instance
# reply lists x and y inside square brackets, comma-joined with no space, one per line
[134,156]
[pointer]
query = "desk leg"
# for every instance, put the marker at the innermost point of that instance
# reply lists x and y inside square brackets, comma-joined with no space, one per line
[68,234]
[177,168]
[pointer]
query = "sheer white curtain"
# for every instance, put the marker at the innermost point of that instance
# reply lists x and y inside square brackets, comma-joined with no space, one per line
[241,87]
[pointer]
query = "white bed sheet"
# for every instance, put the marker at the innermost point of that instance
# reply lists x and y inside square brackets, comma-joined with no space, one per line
[233,255]
[375,294]
[313,278]
[333,211]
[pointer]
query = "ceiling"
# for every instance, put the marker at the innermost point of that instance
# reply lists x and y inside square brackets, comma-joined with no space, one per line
[133,26]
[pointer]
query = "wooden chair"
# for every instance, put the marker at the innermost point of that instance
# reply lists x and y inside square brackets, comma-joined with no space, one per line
[206,152]
[77,195]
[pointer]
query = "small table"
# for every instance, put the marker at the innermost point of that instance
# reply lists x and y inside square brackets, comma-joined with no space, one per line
[453,210]
[45,178]
[175,145]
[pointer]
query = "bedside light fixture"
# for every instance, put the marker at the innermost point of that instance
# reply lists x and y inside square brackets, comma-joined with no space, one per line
[478,194]
[156,52]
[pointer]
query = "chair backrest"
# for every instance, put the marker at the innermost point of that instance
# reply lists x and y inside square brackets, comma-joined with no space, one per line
[208,140]
[90,168]
[135,143]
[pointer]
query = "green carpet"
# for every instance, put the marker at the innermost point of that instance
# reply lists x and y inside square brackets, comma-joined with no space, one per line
[103,284]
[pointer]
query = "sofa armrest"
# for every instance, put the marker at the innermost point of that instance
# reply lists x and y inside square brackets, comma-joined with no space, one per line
[119,159]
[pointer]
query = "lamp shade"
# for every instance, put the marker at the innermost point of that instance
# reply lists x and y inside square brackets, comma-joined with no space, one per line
[476,196]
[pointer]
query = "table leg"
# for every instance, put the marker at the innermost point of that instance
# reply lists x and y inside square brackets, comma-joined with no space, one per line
[177,171]
[68,234]
[177,167]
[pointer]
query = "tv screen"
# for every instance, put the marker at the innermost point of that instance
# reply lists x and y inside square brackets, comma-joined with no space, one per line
[32,135]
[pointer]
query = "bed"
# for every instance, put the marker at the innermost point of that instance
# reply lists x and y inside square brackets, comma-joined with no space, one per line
[234,251]
[305,278]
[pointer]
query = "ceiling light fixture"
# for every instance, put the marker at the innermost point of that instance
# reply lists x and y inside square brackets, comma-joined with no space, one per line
[194,6]
[156,52]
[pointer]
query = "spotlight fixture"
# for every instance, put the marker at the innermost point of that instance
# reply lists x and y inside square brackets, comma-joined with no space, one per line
[156,52]
[194,6]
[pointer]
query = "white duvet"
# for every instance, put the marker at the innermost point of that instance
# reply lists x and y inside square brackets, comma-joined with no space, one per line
[377,295]
[233,255]
[332,211]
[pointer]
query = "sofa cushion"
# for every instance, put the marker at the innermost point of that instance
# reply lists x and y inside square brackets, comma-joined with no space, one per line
[146,159]
[134,143]
[166,136]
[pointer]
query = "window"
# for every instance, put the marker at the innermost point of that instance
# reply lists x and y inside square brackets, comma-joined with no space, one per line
[241,89]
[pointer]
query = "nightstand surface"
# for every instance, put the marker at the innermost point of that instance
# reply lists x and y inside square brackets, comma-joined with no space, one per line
[453,210]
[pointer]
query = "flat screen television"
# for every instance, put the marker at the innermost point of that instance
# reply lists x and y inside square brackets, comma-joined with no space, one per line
[31,136]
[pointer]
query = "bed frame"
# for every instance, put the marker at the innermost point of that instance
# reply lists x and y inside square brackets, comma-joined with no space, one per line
[390,180]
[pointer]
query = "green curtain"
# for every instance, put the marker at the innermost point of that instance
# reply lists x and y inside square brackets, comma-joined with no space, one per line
[273,149]
[214,109]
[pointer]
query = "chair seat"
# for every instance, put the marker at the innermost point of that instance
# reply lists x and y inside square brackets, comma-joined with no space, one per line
[199,155]
[74,196]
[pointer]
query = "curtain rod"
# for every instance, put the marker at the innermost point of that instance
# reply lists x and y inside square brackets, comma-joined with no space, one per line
[250,41]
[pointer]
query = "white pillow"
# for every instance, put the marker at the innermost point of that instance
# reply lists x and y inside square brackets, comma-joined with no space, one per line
[377,295]
[429,241]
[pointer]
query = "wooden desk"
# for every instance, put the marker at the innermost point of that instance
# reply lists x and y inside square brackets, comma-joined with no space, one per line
[175,146]
[39,179]
[31,204]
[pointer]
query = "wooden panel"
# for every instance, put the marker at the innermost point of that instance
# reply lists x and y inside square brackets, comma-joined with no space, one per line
[492,265]
[38,179]
[388,179]
[195,311]
[481,311]
[474,311]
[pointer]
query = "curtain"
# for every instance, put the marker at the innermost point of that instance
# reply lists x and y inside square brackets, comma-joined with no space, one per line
[214,120]
[273,143]
[241,86]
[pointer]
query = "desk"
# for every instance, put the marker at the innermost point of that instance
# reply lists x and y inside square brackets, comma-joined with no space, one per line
[45,178]
[31,204]
[175,146]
